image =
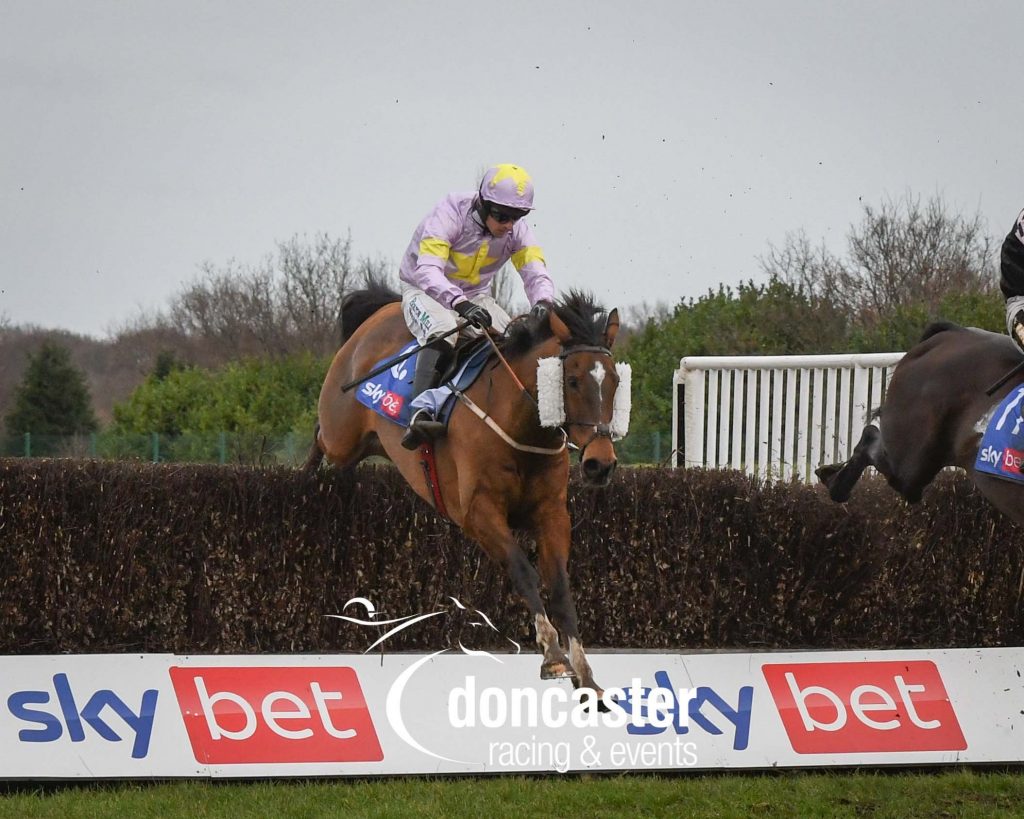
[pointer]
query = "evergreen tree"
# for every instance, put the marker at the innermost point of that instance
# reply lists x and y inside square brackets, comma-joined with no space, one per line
[52,398]
[166,363]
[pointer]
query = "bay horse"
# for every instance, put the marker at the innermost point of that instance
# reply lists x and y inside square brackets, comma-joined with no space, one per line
[929,418]
[492,480]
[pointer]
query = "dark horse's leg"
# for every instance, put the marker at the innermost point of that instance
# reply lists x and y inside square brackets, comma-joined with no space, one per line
[487,522]
[908,475]
[841,478]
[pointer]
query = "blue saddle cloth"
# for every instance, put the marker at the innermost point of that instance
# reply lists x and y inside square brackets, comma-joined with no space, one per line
[1002,446]
[390,393]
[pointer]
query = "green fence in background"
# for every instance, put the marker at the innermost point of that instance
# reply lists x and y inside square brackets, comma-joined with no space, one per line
[238,448]
[217,447]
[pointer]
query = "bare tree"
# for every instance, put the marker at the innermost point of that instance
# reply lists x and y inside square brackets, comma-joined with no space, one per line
[285,304]
[233,307]
[902,253]
[642,314]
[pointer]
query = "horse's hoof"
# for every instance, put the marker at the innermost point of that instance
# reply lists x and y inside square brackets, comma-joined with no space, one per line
[827,472]
[829,476]
[557,670]
[597,694]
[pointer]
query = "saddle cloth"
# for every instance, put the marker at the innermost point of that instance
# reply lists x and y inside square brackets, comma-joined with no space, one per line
[1001,452]
[390,393]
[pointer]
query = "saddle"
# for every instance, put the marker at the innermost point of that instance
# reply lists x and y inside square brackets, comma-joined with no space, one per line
[465,350]
[389,394]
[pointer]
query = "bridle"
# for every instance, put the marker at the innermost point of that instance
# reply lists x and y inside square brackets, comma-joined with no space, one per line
[599,430]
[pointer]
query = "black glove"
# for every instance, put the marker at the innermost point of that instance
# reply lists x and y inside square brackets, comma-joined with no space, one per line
[540,309]
[473,313]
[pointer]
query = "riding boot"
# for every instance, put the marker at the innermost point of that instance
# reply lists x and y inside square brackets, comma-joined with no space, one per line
[422,426]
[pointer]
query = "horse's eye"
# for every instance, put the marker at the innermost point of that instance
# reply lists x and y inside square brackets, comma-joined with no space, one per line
[573,382]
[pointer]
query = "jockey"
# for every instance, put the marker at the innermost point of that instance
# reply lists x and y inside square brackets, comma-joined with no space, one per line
[1011,280]
[446,274]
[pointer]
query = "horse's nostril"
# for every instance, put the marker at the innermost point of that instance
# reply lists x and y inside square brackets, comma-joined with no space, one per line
[594,469]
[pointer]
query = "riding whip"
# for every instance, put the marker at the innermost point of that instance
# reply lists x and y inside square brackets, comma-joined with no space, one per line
[391,362]
[1005,378]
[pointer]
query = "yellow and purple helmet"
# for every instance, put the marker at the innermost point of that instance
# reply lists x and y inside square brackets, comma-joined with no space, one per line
[508,186]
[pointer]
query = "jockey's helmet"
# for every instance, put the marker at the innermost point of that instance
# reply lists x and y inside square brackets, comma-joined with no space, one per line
[508,186]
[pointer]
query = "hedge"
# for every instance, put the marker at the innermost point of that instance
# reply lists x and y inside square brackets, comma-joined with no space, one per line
[116,557]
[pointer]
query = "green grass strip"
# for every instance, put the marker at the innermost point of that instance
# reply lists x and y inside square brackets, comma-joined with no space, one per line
[858,794]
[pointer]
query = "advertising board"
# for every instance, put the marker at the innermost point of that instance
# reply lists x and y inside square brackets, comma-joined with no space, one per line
[155,715]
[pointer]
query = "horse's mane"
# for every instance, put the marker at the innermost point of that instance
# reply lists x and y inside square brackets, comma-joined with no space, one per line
[359,305]
[937,327]
[585,319]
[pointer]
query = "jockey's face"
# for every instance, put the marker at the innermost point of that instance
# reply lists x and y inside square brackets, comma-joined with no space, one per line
[500,221]
[498,229]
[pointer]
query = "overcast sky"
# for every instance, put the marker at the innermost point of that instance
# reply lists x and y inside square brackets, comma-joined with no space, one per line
[670,142]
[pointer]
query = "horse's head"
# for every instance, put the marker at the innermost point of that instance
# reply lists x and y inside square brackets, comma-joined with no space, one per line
[582,390]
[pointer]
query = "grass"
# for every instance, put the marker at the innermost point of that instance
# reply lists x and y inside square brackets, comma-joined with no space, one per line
[933,794]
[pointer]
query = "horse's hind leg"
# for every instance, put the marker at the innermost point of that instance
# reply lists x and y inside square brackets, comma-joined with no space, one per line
[841,478]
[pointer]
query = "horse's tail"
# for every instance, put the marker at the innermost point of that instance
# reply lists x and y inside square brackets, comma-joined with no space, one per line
[937,327]
[359,305]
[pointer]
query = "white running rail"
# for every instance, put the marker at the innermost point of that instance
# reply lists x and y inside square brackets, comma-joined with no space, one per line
[774,416]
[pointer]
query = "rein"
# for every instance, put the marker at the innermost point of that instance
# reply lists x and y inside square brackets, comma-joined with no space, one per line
[600,430]
[483,416]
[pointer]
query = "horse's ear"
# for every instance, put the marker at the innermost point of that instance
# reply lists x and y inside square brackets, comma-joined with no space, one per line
[558,327]
[611,329]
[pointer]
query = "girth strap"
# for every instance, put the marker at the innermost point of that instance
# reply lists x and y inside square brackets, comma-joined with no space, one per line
[429,464]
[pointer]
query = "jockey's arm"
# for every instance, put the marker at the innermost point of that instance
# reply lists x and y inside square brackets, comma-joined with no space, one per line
[528,260]
[1011,262]
[429,276]
[1011,280]
[437,233]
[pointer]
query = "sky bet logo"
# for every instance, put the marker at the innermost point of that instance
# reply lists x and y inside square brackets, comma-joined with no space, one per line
[56,712]
[666,706]
[862,707]
[390,402]
[1009,460]
[237,715]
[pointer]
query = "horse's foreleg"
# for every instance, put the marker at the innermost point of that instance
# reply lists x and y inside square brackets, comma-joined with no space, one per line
[526,583]
[841,478]
[553,537]
[489,526]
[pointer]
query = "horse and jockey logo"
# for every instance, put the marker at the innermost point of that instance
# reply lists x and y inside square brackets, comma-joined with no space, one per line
[395,625]
[463,706]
